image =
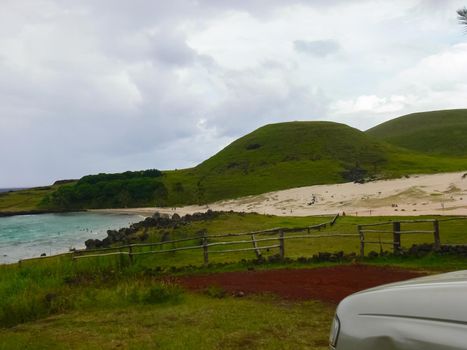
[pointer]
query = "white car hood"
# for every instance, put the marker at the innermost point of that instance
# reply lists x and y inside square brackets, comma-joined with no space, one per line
[440,297]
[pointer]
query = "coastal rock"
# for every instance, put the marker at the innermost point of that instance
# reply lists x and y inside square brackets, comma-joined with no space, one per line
[157,220]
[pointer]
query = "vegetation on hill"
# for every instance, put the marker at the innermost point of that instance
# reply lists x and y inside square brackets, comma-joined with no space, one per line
[273,157]
[278,156]
[438,132]
[131,188]
[286,155]
[25,200]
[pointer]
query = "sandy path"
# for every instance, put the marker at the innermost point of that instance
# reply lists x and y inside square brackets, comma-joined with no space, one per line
[439,194]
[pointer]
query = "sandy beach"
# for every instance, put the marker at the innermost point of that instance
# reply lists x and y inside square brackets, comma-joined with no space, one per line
[439,194]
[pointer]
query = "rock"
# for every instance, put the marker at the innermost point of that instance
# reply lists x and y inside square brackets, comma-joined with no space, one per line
[324,256]
[93,243]
[157,220]
[239,294]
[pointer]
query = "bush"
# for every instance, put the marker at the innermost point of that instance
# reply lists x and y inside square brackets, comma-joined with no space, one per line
[215,292]
[163,293]
[127,189]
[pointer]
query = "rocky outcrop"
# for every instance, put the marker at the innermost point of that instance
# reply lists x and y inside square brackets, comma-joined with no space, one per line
[158,221]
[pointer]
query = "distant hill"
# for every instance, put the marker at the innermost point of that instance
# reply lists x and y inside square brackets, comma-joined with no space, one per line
[11,189]
[273,157]
[437,132]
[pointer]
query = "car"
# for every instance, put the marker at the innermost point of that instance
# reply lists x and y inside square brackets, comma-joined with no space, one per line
[428,313]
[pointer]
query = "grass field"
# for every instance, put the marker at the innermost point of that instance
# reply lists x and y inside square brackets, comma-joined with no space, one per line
[194,322]
[107,303]
[452,232]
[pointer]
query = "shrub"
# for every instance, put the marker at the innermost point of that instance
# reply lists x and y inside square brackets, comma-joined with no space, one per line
[163,293]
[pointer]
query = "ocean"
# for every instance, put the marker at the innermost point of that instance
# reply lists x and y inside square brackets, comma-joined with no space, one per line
[25,236]
[10,189]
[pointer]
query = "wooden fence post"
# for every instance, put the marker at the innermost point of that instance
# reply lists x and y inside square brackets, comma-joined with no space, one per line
[437,245]
[130,254]
[334,219]
[396,228]
[281,244]
[205,249]
[362,241]
[255,245]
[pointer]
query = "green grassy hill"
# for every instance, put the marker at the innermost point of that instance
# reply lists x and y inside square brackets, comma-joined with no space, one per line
[437,132]
[278,156]
[25,200]
[294,154]
[273,157]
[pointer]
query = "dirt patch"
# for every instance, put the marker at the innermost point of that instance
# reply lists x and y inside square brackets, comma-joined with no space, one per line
[330,284]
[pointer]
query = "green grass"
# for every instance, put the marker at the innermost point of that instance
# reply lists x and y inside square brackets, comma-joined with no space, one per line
[451,232]
[437,132]
[107,303]
[35,279]
[25,200]
[199,322]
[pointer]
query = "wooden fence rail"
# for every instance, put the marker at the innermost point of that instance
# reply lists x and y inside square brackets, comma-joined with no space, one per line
[281,234]
[396,232]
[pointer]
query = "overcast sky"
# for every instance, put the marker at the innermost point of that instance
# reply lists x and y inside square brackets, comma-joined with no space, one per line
[105,86]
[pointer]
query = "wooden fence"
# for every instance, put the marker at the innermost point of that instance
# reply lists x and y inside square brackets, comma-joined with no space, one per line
[394,229]
[274,238]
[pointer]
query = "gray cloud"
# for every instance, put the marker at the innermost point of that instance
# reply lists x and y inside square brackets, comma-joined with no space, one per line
[94,86]
[320,48]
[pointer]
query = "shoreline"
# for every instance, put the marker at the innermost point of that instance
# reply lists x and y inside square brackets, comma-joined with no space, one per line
[42,212]
[415,195]
[37,212]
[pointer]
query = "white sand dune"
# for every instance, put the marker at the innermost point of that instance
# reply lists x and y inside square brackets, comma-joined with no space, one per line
[439,194]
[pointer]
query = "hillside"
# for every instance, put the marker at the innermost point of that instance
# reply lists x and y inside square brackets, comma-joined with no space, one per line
[437,132]
[273,157]
[281,156]
[295,154]
[25,200]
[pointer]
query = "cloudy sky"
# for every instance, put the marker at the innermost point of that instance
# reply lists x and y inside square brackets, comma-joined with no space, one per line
[105,85]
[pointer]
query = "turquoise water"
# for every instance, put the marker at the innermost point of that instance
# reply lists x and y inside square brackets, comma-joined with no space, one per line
[26,236]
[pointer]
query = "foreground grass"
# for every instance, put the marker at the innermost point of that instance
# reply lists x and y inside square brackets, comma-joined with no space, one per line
[111,309]
[198,322]
[107,303]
